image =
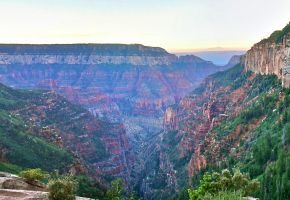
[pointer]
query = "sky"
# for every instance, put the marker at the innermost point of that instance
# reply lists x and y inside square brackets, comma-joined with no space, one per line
[176,25]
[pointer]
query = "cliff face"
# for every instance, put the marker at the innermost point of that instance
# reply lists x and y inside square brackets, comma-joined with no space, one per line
[272,56]
[29,59]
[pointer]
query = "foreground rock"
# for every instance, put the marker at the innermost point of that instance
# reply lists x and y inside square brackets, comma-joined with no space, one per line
[27,195]
[13,182]
[13,187]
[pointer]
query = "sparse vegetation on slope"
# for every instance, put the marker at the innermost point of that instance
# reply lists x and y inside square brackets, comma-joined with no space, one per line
[262,148]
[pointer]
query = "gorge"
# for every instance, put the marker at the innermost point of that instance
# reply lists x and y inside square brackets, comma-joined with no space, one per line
[126,86]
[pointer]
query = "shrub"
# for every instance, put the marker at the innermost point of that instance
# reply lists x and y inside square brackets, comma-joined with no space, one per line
[89,188]
[117,190]
[34,175]
[62,189]
[216,183]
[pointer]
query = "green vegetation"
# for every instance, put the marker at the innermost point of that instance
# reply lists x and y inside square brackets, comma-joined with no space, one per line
[17,137]
[228,76]
[24,148]
[62,189]
[89,188]
[233,77]
[10,168]
[224,184]
[117,192]
[32,175]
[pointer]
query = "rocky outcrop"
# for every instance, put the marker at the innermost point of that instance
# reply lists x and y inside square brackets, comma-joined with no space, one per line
[169,120]
[271,56]
[196,163]
[13,182]
[13,187]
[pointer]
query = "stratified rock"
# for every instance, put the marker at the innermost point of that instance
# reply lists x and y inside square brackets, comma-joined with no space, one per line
[271,56]
[109,80]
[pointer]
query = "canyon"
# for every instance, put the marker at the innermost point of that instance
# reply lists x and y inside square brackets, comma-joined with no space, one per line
[156,120]
[150,117]
[126,87]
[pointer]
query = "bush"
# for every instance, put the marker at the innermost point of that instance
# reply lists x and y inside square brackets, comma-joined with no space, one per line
[116,191]
[89,188]
[34,175]
[216,183]
[62,189]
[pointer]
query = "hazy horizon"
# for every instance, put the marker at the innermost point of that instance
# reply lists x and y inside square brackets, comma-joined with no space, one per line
[173,25]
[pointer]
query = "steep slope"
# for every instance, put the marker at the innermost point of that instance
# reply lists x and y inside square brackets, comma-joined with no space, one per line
[229,121]
[42,129]
[235,118]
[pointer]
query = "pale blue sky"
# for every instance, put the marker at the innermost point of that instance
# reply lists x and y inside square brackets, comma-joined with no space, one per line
[172,24]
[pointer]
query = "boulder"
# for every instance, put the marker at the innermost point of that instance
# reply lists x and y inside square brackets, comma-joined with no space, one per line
[10,181]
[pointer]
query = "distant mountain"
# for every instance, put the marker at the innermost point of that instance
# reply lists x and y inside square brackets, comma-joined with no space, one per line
[218,57]
[87,49]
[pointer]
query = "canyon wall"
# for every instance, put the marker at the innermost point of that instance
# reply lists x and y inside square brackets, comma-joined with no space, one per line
[109,80]
[272,56]
[195,137]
